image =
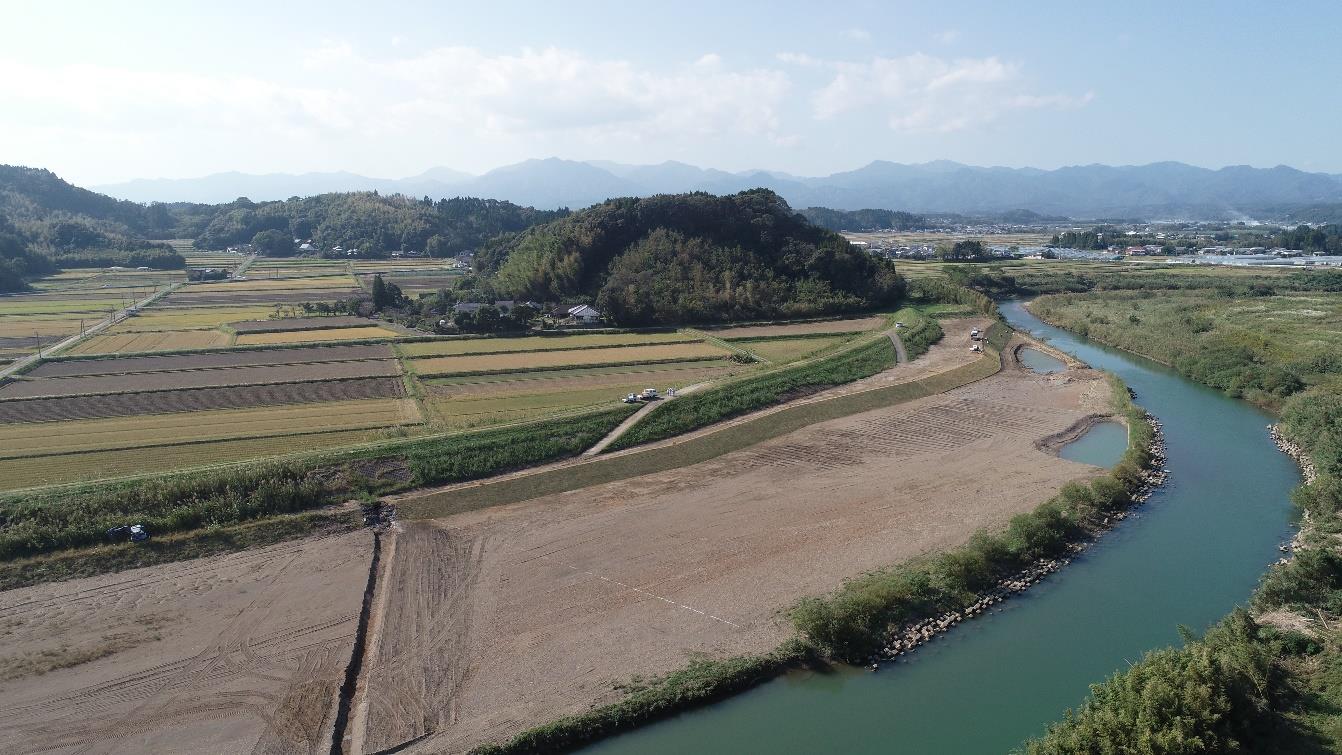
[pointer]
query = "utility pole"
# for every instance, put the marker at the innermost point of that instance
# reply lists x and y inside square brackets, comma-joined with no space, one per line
[38,336]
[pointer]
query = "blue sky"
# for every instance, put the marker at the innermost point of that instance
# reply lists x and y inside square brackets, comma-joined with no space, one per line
[103,92]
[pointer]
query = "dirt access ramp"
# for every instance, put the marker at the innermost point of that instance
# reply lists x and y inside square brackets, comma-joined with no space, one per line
[243,653]
[538,609]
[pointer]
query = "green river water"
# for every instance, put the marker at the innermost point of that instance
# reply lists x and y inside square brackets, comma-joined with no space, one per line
[1188,556]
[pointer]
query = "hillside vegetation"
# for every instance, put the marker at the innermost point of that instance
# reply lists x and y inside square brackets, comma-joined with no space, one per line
[692,258]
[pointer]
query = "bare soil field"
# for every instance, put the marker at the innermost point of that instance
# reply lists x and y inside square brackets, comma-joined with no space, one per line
[538,609]
[192,400]
[233,654]
[127,365]
[199,378]
[801,328]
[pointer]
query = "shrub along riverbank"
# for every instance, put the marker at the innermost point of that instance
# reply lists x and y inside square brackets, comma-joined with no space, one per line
[1266,679]
[42,522]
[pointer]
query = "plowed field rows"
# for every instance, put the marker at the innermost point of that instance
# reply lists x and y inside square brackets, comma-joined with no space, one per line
[199,399]
[221,359]
[538,343]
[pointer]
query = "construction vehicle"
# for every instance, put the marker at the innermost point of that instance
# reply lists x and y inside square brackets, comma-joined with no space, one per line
[135,533]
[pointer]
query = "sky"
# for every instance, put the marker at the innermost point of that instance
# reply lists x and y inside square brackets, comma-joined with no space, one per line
[102,92]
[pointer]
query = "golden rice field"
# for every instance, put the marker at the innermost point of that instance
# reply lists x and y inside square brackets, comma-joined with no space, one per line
[532,360]
[457,413]
[780,350]
[95,465]
[26,326]
[38,439]
[534,343]
[183,318]
[304,336]
[163,340]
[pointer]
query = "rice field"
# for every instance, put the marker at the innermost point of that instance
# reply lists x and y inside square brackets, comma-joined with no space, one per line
[781,350]
[533,360]
[185,318]
[313,336]
[140,342]
[261,283]
[33,440]
[96,465]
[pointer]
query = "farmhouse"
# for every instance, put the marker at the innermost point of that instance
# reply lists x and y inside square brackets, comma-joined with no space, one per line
[584,314]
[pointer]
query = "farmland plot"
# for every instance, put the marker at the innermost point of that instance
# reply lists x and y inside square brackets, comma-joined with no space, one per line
[549,359]
[197,399]
[538,343]
[800,328]
[781,350]
[308,336]
[165,340]
[35,440]
[239,358]
[199,378]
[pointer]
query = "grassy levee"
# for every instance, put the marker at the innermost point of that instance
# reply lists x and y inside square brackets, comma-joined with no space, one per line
[737,397]
[87,562]
[700,682]
[38,522]
[692,450]
[851,624]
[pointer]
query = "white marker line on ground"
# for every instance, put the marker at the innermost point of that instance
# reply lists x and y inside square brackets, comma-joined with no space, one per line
[645,592]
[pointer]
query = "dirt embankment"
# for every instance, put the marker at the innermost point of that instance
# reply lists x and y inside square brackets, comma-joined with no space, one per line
[554,602]
[236,654]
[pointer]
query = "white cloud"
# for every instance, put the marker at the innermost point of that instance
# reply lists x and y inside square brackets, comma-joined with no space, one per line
[922,92]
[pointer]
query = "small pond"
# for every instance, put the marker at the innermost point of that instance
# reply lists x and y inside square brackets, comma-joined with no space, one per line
[1040,362]
[1102,445]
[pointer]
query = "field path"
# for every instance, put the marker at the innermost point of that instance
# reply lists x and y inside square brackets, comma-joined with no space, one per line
[901,356]
[637,417]
[116,317]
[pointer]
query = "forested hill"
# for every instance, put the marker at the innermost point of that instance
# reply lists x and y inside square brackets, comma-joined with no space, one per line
[373,223]
[864,220]
[691,258]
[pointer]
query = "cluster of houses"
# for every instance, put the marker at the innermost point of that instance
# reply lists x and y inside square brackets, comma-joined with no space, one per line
[572,314]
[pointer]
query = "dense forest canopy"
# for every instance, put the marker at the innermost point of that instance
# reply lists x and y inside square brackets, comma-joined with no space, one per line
[864,220]
[691,258]
[372,223]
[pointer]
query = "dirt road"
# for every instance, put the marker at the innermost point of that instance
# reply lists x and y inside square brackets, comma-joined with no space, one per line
[538,609]
[234,654]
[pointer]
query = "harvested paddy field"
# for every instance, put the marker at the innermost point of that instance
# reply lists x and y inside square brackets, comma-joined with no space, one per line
[238,358]
[195,400]
[308,336]
[35,440]
[299,323]
[205,297]
[538,343]
[183,318]
[567,595]
[532,360]
[231,654]
[199,378]
[801,328]
[164,340]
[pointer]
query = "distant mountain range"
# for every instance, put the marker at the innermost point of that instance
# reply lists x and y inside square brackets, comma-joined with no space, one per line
[1155,191]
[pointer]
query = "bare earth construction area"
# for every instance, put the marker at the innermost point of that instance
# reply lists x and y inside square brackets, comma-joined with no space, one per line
[538,609]
[490,621]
